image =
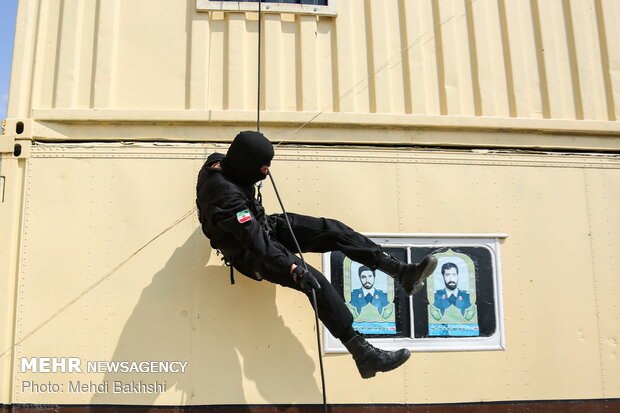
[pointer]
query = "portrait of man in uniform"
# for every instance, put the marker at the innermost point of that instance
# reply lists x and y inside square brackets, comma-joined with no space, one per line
[451,295]
[368,294]
[452,309]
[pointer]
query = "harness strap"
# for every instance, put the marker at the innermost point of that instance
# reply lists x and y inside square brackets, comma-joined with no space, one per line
[228,264]
[259,196]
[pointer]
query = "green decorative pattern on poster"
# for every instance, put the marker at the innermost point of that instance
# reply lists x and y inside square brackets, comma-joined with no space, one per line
[369,295]
[451,295]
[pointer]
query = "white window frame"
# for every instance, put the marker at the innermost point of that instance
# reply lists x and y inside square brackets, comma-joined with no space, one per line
[495,342]
[268,7]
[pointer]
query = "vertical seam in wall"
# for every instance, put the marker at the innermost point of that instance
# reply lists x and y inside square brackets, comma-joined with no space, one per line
[335,67]
[104,96]
[263,70]
[226,63]
[247,94]
[540,60]
[88,248]
[207,59]
[400,229]
[263,52]
[114,54]
[19,238]
[404,57]
[473,57]
[370,59]
[22,266]
[282,83]
[110,187]
[572,56]
[188,53]
[399,197]
[602,36]
[317,85]
[61,12]
[77,51]
[503,23]
[351,34]
[441,74]
[93,73]
[194,328]
[299,63]
[596,293]
[38,66]
[34,60]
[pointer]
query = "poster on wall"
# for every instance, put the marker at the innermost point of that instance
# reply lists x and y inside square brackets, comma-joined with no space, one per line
[370,295]
[451,293]
[378,305]
[459,297]
[459,308]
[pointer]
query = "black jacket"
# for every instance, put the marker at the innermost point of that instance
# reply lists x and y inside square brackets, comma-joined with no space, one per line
[236,224]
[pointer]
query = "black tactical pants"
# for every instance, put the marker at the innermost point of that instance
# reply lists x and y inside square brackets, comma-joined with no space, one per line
[322,235]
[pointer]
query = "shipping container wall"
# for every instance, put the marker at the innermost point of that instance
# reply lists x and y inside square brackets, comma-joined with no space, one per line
[113,267]
[83,66]
[469,116]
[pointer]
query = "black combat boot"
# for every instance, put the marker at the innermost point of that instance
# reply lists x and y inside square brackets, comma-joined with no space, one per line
[410,276]
[370,359]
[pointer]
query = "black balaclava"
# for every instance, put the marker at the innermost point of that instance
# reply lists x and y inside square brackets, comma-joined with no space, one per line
[246,155]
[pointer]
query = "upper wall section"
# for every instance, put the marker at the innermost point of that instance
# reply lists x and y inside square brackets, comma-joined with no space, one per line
[550,66]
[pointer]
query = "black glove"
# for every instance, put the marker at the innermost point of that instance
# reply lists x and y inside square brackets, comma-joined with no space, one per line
[305,279]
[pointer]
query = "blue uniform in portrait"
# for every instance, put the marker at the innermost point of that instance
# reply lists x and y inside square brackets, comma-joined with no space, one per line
[443,300]
[360,298]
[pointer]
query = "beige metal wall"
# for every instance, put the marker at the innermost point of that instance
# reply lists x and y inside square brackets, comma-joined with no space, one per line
[106,274]
[481,73]
[83,66]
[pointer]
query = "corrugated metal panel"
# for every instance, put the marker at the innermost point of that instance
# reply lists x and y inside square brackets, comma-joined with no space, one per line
[512,60]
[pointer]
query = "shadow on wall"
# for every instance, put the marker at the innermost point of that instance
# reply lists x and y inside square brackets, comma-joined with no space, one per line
[237,347]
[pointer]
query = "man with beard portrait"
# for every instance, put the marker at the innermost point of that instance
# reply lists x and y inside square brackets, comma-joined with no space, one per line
[451,294]
[368,294]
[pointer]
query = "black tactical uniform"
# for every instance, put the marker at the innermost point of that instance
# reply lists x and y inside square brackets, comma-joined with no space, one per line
[259,245]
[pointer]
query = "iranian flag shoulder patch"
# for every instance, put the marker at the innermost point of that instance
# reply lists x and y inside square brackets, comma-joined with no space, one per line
[244,216]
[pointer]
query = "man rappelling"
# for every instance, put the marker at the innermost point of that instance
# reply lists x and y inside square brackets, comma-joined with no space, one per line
[261,246]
